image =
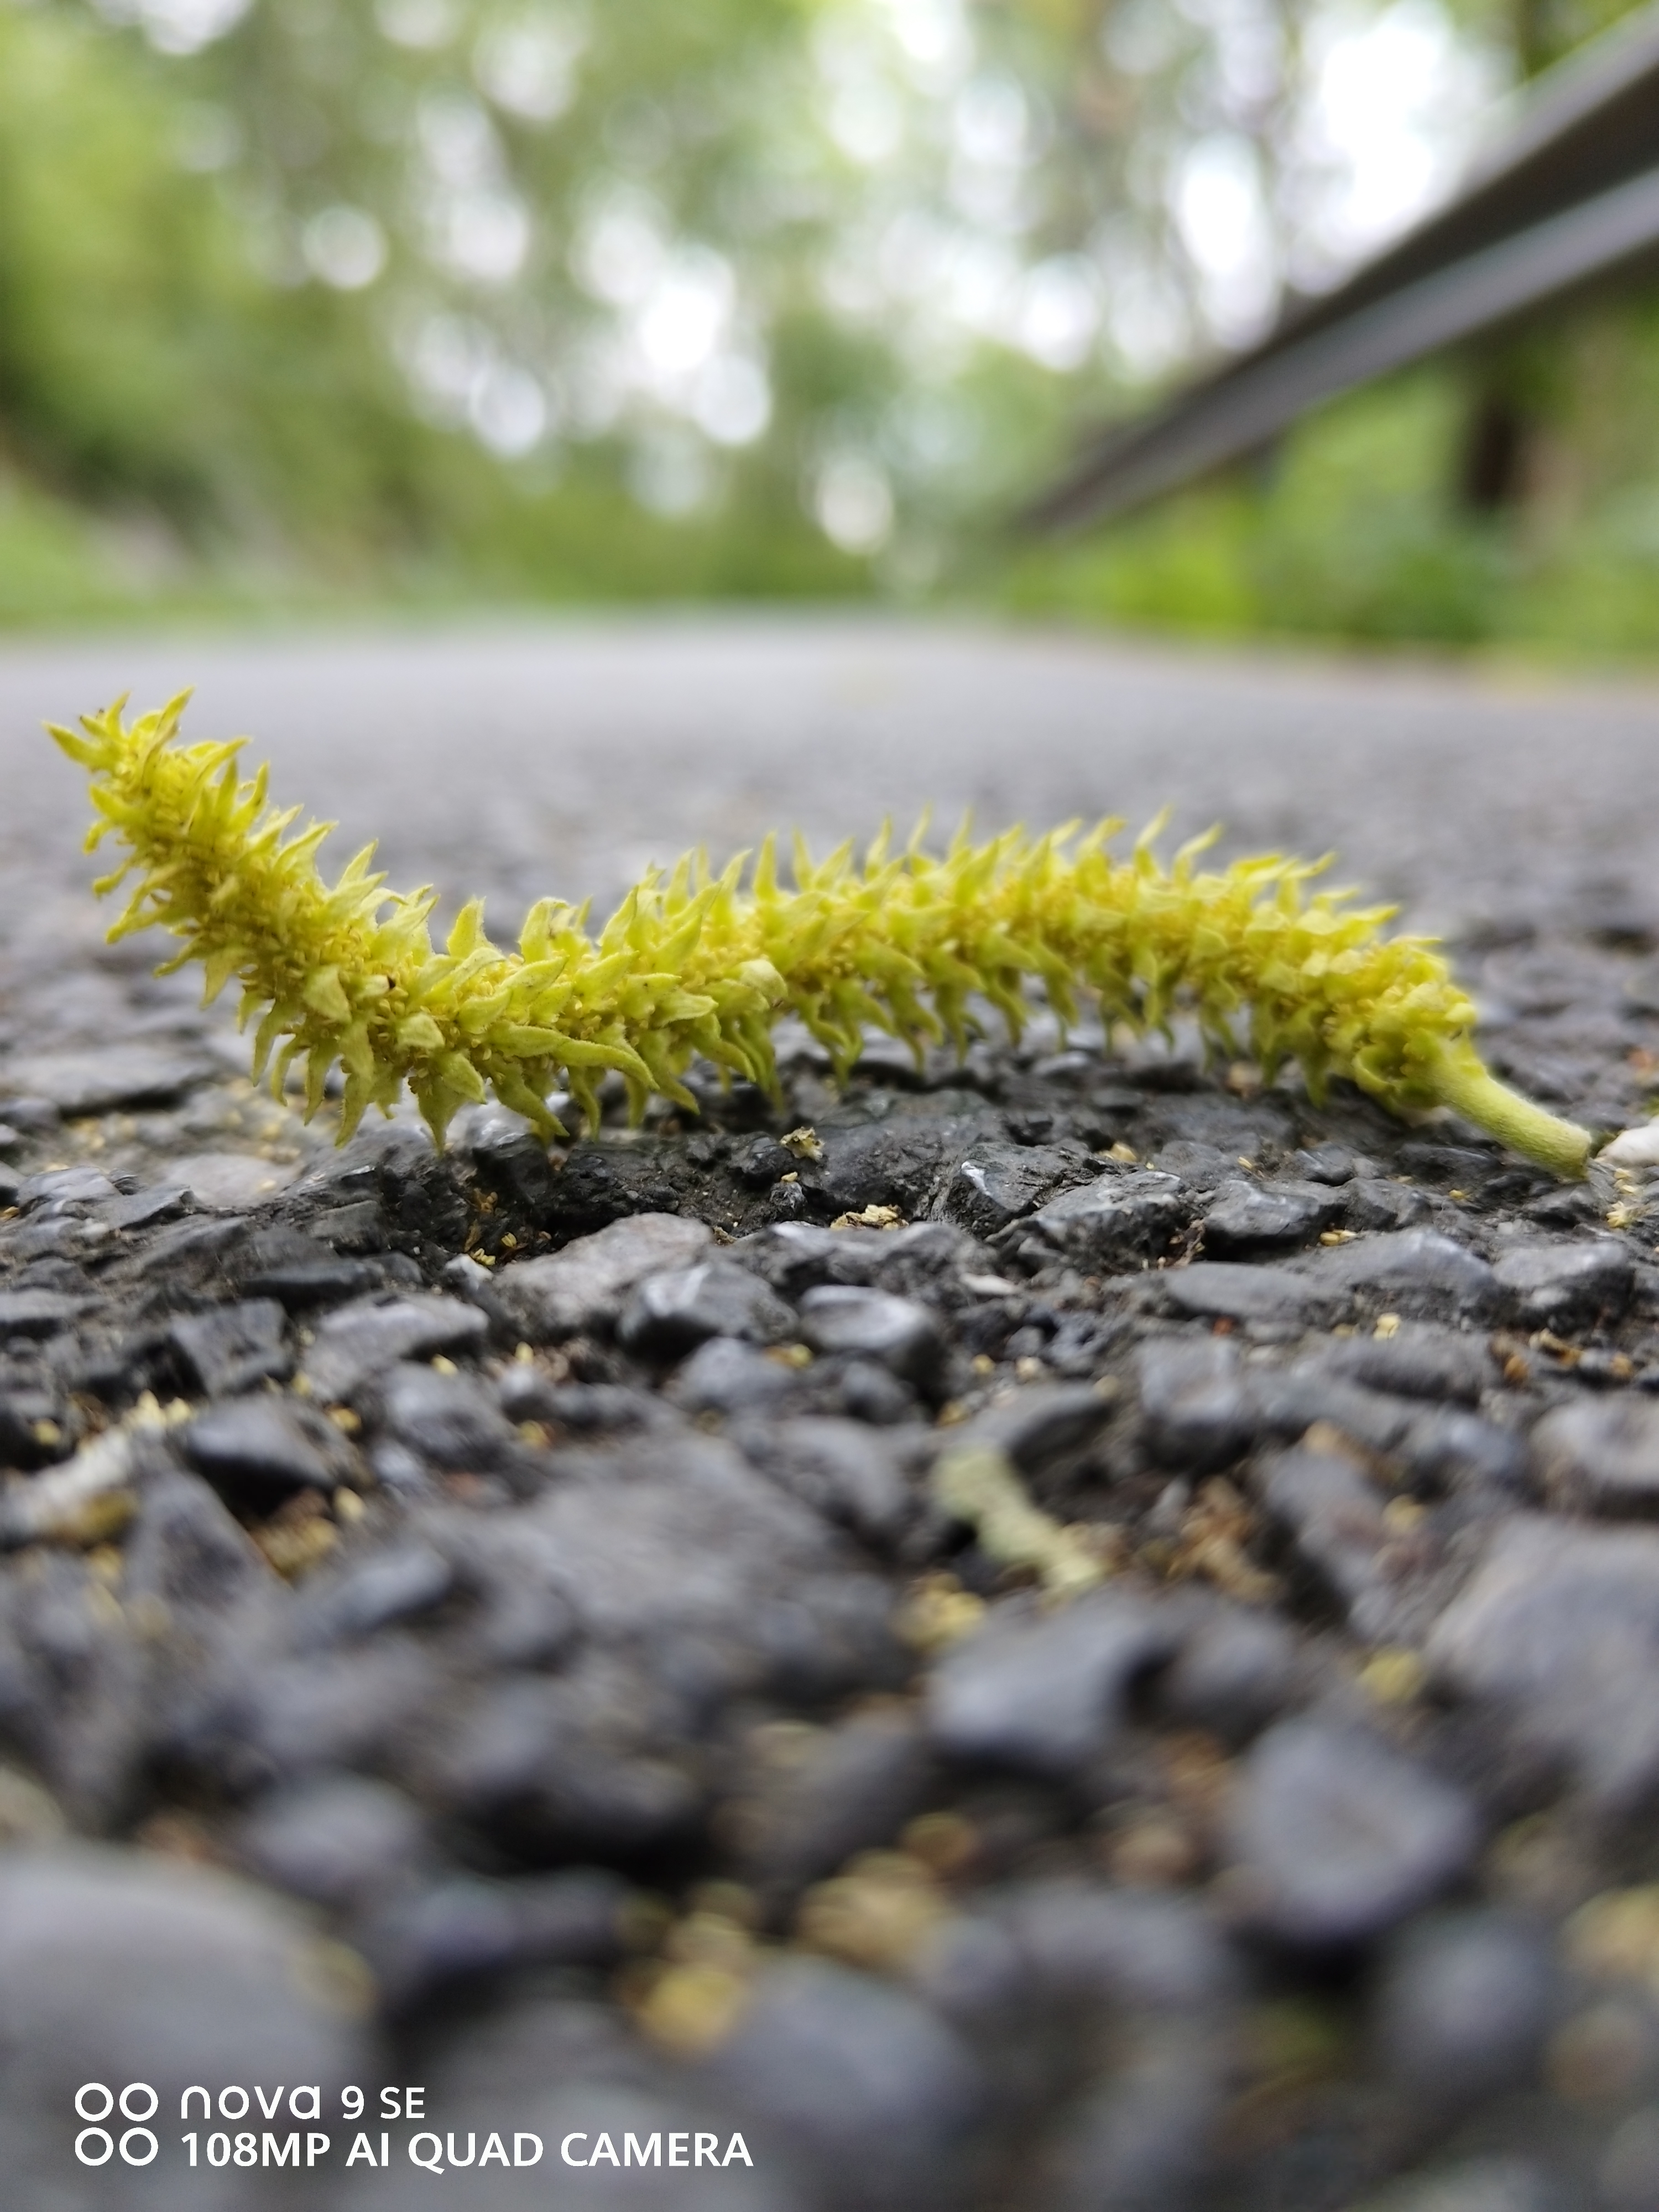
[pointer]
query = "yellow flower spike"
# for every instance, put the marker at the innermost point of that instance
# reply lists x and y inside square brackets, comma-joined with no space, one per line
[691,965]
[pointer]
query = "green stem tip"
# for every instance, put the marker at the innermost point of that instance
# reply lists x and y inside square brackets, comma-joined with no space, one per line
[1470,1090]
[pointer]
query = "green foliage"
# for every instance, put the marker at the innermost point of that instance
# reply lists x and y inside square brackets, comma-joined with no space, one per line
[695,965]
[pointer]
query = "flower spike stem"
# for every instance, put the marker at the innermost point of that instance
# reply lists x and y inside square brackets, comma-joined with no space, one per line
[695,965]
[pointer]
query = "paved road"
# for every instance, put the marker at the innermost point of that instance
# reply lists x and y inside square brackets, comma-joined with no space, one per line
[562,755]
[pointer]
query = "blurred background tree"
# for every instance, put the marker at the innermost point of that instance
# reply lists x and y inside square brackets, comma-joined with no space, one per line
[531,300]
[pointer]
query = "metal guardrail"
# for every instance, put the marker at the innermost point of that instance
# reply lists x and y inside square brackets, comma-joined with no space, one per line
[1564,203]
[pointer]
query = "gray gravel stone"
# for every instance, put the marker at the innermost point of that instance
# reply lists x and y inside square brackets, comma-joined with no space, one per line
[81,1186]
[1558,1630]
[586,1286]
[1043,1425]
[1416,1273]
[724,1375]
[1600,1456]
[1566,1286]
[1372,1203]
[230,1348]
[901,1336]
[338,1840]
[1122,1217]
[257,1447]
[1221,1290]
[852,1473]
[1274,1217]
[1334,1516]
[670,1313]
[449,1419]
[1236,1671]
[38,1313]
[1335,1837]
[356,1341]
[1043,1692]
[1418,1360]
[997,1183]
[100,1082]
[1196,1406]
[826,2058]
[811,1798]
[1465,2005]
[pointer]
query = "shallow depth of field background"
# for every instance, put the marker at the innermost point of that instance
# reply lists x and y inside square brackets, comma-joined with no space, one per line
[310,305]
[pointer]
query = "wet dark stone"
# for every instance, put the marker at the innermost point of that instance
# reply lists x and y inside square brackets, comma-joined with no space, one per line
[1333,1517]
[116,1075]
[762,1161]
[1196,1406]
[33,1116]
[1566,1286]
[724,1375]
[1123,1216]
[793,1256]
[898,1160]
[335,1840]
[359,1227]
[812,1799]
[1600,1456]
[1223,1289]
[417,1191]
[1044,1692]
[358,1341]
[1448,1164]
[252,1448]
[509,1160]
[450,1420]
[1464,2009]
[825,2056]
[1558,1631]
[404,1581]
[851,1474]
[1141,1976]
[1418,1361]
[554,1767]
[1275,1217]
[1332,1165]
[1236,1671]
[230,1348]
[1371,1203]
[1416,1273]
[524,1394]
[1044,1426]
[862,1390]
[161,1201]
[897,1333]
[670,1313]
[423,1944]
[1335,1837]
[189,1552]
[38,1313]
[586,1286]
[61,1187]
[281,1262]
[1201,1166]
[996,1183]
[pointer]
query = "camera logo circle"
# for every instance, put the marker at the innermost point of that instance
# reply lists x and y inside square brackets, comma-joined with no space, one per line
[95,2145]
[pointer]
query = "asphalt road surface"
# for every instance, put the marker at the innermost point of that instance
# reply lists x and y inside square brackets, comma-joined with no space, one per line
[563,756]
